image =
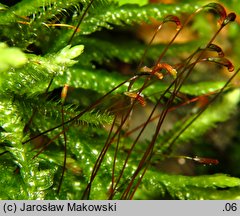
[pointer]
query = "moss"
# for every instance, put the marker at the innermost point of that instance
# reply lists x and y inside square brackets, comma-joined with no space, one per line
[71,100]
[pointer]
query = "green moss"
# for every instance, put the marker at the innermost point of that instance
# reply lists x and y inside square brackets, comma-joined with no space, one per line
[99,65]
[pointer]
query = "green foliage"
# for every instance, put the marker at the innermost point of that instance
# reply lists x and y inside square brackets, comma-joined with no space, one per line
[192,188]
[38,62]
[208,119]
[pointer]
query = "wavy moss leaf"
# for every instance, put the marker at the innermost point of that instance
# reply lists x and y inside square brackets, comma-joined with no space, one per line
[13,189]
[73,183]
[212,116]
[128,50]
[132,14]
[110,14]
[35,76]
[103,50]
[96,119]
[38,8]
[21,22]
[30,78]
[193,188]
[85,146]
[89,79]
[207,120]
[35,180]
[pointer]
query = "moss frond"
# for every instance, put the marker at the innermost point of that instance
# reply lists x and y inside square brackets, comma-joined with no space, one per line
[91,122]
[193,188]
[130,14]
[208,119]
